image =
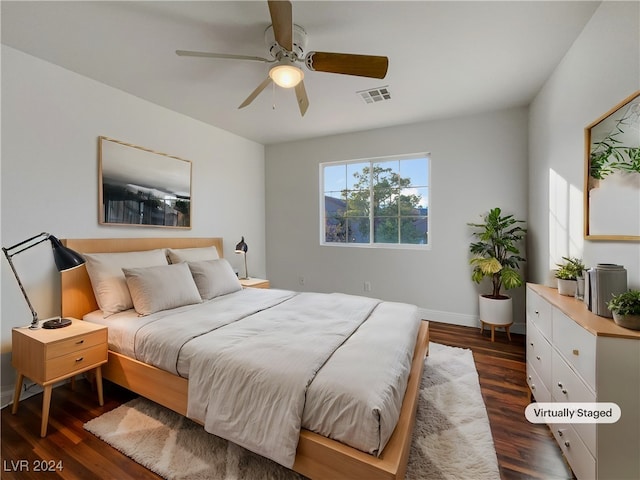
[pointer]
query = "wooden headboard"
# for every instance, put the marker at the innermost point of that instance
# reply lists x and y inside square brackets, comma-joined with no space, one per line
[77,294]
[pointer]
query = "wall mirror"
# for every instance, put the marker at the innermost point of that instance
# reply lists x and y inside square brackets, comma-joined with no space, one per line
[612,173]
[138,186]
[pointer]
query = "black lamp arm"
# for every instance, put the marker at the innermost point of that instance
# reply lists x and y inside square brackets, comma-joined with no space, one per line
[43,234]
[34,315]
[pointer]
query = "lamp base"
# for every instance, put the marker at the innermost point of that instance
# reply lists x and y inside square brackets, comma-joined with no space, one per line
[57,323]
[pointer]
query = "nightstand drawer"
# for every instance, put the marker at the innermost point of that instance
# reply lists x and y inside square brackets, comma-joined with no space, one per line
[81,360]
[75,344]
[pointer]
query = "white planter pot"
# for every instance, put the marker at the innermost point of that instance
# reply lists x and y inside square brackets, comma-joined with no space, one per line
[627,321]
[567,287]
[496,311]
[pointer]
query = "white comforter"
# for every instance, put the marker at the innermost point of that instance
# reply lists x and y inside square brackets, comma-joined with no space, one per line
[263,363]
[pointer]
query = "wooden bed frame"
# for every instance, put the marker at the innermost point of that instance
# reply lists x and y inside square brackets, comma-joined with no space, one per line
[317,457]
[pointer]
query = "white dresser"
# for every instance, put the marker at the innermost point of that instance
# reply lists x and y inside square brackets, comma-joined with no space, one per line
[576,356]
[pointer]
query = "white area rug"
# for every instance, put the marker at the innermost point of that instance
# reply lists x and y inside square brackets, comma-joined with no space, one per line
[451,439]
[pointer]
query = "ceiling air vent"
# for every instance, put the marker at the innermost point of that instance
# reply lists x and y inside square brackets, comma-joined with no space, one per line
[374,95]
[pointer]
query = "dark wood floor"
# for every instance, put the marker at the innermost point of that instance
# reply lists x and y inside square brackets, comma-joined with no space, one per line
[524,450]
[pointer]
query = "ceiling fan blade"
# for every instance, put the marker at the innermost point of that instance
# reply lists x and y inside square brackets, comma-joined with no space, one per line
[301,97]
[282,20]
[265,83]
[348,64]
[189,53]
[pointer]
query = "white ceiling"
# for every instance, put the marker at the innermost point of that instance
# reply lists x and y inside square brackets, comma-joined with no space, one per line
[447,58]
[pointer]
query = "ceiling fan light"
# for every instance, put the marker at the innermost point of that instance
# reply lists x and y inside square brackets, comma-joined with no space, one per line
[286,76]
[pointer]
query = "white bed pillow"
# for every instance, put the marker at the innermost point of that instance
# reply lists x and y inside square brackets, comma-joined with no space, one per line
[214,278]
[108,281]
[161,288]
[197,254]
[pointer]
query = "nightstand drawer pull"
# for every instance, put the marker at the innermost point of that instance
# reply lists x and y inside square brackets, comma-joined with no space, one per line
[79,342]
[78,360]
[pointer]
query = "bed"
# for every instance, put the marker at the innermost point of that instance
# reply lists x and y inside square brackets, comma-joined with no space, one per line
[316,456]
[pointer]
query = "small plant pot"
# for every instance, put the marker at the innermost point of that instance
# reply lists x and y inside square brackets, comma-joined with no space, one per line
[567,287]
[627,321]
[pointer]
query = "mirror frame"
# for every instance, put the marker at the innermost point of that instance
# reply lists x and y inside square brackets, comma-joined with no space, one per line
[602,165]
[134,171]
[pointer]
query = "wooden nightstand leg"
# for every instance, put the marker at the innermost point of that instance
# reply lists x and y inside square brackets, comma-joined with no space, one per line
[16,394]
[46,403]
[99,385]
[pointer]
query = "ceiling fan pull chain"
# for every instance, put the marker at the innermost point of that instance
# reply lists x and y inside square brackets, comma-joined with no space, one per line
[273,96]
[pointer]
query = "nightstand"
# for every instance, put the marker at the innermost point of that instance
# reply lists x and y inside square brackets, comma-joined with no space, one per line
[49,356]
[254,283]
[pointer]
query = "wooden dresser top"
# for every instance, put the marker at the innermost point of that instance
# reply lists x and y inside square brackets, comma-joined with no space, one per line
[578,311]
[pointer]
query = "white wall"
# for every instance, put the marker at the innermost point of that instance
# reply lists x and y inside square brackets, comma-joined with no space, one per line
[51,119]
[478,162]
[601,69]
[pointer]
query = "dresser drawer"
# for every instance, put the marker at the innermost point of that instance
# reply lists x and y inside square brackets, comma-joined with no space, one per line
[539,312]
[575,451]
[568,387]
[537,387]
[577,345]
[76,362]
[77,343]
[539,352]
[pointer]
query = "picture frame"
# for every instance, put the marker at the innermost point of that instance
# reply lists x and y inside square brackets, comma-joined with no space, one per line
[141,187]
[612,173]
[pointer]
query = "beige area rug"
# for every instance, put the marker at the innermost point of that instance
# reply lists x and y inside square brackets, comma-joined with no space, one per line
[451,439]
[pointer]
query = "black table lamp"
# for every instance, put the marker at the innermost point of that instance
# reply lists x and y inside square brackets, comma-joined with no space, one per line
[65,259]
[242,248]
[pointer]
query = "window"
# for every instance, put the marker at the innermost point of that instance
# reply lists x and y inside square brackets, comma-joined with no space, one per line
[375,202]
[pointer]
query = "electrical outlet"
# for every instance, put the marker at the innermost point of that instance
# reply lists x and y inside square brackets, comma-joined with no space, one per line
[367,286]
[301,280]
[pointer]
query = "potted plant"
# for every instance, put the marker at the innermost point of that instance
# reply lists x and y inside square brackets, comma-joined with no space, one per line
[626,309]
[567,275]
[496,255]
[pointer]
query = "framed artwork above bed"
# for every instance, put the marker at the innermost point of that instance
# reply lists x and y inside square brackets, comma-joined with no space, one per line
[140,187]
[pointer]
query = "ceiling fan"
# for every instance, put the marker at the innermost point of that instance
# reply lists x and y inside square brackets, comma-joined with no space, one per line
[287,45]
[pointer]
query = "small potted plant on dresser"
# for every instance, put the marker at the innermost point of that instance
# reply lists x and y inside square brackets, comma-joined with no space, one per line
[626,309]
[567,275]
[496,255]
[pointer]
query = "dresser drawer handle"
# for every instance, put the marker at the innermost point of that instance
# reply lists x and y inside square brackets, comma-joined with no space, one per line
[560,433]
[79,342]
[567,444]
[537,357]
[537,312]
[531,344]
[564,390]
[78,360]
[576,352]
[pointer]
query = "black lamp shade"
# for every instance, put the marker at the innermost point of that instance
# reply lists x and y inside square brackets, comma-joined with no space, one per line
[241,246]
[64,257]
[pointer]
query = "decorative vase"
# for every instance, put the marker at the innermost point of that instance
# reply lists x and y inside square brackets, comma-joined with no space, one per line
[496,311]
[627,321]
[567,287]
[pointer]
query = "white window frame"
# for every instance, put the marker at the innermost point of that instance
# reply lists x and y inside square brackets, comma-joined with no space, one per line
[372,244]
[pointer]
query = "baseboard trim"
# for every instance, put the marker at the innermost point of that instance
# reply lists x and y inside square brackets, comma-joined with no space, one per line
[6,392]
